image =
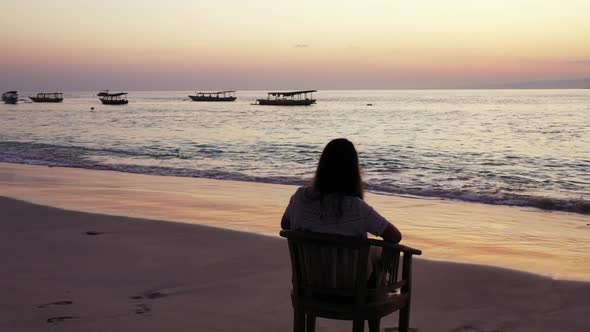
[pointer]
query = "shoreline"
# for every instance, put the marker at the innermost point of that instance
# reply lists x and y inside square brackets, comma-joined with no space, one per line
[564,205]
[553,244]
[90,272]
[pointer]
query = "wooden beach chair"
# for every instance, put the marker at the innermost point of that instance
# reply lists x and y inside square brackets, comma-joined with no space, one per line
[330,272]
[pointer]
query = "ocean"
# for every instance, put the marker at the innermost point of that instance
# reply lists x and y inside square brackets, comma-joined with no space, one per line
[508,147]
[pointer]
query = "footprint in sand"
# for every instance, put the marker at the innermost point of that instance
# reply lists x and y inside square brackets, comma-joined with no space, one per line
[149,296]
[41,306]
[143,308]
[155,295]
[94,233]
[466,328]
[59,319]
[471,328]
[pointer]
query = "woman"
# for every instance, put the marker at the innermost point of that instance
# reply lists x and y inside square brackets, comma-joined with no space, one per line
[334,202]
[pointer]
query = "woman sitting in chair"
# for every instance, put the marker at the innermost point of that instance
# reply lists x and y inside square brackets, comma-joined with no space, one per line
[334,202]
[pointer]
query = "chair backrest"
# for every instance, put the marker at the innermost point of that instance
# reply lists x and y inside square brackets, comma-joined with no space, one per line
[327,264]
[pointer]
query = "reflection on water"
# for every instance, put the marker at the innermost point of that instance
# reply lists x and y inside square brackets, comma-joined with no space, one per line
[516,147]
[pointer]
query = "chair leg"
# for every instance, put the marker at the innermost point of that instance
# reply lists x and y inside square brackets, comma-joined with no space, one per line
[298,320]
[310,323]
[404,319]
[374,325]
[358,326]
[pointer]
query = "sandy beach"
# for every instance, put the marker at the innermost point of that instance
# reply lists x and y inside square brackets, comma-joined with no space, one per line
[216,263]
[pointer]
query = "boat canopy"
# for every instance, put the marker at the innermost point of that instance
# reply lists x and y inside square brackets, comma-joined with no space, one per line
[49,94]
[291,93]
[215,92]
[106,94]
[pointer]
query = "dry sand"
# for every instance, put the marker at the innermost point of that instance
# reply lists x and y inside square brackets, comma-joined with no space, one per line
[145,275]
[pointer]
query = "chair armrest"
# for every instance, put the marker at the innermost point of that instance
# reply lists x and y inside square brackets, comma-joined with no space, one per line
[400,247]
[349,240]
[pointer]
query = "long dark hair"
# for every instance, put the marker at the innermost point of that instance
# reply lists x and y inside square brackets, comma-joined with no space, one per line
[338,171]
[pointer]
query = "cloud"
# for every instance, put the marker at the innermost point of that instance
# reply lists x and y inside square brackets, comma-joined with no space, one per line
[301,46]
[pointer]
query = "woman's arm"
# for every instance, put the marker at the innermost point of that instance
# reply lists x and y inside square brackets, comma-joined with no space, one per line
[391,234]
[378,225]
[285,223]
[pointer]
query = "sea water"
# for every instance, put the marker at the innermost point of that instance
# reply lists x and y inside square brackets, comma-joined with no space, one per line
[510,147]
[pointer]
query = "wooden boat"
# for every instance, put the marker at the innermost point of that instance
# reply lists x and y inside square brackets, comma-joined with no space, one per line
[48,97]
[214,96]
[10,97]
[113,98]
[291,98]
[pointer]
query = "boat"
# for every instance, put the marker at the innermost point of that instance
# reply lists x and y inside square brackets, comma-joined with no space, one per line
[48,97]
[214,96]
[10,97]
[113,98]
[291,98]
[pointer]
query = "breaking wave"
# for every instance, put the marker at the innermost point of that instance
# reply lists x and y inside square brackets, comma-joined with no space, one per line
[85,157]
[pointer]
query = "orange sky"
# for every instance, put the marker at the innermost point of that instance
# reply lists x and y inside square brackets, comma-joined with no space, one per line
[263,44]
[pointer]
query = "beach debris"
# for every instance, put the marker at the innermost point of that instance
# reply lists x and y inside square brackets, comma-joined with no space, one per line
[41,306]
[59,319]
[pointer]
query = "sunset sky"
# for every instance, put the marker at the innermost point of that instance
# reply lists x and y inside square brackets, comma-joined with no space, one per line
[264,44]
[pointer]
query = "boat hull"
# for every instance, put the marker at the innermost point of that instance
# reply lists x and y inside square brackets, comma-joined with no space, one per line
[46,100]
[199,98]
[285,102]
[114,102]
[10,98]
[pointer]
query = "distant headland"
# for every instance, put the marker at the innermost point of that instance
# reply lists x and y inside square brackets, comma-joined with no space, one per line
[581,83]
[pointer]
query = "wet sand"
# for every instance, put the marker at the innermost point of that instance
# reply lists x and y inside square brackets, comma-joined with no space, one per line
[548,243]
